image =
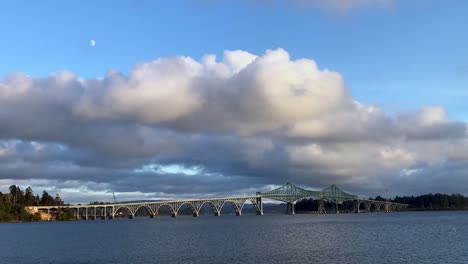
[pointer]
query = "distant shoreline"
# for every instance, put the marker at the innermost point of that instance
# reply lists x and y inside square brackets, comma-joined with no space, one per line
[272,213]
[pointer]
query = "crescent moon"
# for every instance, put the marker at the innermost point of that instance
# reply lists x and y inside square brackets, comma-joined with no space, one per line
[92,42]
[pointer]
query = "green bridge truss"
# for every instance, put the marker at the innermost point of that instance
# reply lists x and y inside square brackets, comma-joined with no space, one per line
[290,193]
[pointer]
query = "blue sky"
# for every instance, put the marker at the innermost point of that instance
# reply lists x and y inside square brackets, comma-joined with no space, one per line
[407,57]
[402,57]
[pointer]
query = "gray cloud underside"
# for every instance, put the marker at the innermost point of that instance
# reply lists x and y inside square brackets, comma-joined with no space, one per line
[236,124]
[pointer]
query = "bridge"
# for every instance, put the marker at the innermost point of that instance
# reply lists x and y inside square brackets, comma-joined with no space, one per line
[288,193]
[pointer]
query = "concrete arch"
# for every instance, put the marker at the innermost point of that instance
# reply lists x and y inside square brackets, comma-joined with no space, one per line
[241,205]
[237,209]
[148,209]
[123,207]
[388,207]
[252,202]
[382,207]
[171,209]
[217,211]
[375,206]
[366,207]
[194,210]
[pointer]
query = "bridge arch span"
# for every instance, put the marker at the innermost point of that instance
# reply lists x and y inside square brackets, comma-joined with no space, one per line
[147,208]
[121,208]
[363,205]
[237,205]
[388,208]
[166,205]
[216,210]
[382,207]
[374,207]
[256,205]
[192,207]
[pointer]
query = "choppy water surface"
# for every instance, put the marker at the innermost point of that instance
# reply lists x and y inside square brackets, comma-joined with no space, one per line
[424,237]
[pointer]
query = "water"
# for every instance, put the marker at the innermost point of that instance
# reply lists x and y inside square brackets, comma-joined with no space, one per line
[423,237]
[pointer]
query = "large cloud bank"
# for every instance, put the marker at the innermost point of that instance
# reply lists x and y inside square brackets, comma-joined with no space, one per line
[181,127]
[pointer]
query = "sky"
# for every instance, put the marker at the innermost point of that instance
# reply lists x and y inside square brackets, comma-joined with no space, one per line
[171,99]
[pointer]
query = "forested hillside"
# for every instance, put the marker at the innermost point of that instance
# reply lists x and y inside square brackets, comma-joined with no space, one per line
[12,204]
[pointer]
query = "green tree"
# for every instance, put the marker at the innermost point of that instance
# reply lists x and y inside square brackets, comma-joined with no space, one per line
[29,198]
[58,200]
[17,195]
[46,199]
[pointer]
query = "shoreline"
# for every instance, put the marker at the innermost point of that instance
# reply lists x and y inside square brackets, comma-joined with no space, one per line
[297,212]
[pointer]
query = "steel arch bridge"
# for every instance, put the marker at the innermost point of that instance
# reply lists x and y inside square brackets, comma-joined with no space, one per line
[288,193]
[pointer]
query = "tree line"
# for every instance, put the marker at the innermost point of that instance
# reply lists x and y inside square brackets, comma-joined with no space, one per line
[426,202]
[435,202]
[12,204]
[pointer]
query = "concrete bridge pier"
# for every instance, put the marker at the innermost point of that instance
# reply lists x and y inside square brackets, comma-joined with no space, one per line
[111,214]
[259,205]
[131,216]
[290,208]
[174,215]
[195,214]
[238,213]
[152,215]
[321,207]
[356,206]
[217,213]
